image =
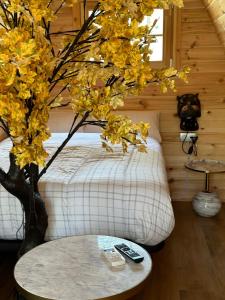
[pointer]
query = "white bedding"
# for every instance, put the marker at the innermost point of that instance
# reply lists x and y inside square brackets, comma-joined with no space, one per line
[90,191]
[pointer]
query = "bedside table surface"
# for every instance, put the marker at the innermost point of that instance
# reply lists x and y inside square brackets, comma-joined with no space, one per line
[74,268]
[206,166]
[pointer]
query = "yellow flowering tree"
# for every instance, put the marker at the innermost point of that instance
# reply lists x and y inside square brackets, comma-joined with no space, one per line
[100,64]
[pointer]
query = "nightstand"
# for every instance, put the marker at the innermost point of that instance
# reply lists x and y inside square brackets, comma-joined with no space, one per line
[206,203]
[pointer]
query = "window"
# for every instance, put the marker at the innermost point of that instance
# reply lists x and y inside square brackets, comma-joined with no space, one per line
[162,48]
[157,33]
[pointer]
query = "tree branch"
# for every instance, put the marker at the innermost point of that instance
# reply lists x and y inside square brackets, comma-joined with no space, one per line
[78,54]
[5,10]
[74,121]
[63,89]
[56,81]
[87,62]
[58,9]
[70,134]
[4,127]
[99,123]
[77,38]
[3,176]
[49,3]
[63,32]
[4,26]
[84,8]
[47,30]
[71,74]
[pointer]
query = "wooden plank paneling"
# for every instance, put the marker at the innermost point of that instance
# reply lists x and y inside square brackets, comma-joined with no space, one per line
[202,50]
[204,27]
[194,15]
[193,4]
[201,53]
[204,138]
[206,66]
[191,40]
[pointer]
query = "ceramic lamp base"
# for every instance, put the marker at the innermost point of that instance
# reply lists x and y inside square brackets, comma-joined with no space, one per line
[206,204]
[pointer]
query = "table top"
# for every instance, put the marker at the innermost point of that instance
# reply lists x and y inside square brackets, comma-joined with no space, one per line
[206,166]
[75,268]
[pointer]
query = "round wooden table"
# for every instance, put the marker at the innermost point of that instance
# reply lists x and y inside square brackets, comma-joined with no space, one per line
[75,268]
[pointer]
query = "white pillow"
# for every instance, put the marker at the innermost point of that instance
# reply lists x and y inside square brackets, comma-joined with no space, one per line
[61,120]
[151,117]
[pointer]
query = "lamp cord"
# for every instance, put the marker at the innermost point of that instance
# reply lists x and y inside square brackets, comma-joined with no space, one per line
[192,149]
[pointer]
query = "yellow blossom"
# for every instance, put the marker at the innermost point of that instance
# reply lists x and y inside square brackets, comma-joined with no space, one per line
[110,60]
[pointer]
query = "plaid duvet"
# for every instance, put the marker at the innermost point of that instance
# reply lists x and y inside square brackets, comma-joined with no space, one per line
[90,191]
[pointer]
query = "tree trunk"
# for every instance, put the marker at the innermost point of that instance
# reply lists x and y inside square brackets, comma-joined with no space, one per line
[36,222]
[26,190]
[36,218]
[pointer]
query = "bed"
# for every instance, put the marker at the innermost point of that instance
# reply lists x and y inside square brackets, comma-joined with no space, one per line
[90,191]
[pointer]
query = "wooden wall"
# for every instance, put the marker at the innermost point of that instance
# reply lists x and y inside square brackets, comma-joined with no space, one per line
[198,46]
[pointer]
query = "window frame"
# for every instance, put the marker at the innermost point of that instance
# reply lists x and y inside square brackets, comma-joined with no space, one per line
[169,32]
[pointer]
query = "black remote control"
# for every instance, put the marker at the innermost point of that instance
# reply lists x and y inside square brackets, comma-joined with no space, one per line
[134,256]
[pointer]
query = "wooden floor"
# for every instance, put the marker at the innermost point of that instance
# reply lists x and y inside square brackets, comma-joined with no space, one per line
[7,284]
[191,266]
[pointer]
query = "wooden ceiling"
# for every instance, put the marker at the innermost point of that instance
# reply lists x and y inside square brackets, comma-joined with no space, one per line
[216,9]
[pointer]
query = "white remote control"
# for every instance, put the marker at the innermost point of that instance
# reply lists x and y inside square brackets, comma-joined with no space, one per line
[113,257]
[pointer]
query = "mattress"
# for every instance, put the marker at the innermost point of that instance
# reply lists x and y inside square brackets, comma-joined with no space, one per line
[90,191]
